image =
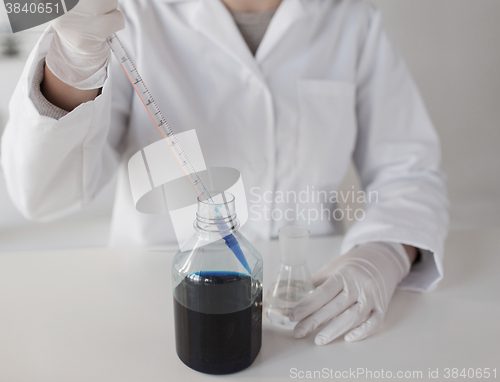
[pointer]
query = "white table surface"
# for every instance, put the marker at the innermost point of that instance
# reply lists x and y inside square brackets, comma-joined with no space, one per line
[106,315]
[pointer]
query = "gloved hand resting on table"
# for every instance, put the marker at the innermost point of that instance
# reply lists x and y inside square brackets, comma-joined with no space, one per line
[352,294]
[79,52]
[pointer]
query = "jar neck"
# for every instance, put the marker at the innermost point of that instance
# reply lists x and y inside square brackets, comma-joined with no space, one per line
[217,215]
[222,226]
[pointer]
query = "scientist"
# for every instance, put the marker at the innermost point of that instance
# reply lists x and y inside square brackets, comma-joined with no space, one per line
[287,92]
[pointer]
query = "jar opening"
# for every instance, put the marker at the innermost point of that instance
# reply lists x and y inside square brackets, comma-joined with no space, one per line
[217,198]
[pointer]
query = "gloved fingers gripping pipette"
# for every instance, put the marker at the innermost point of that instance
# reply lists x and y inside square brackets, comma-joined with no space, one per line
[79,53]
[170,138]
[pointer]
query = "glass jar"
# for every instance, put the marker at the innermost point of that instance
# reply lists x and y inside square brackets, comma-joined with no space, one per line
[218,292]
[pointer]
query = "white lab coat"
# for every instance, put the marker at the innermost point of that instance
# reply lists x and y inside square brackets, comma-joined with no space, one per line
[324,87]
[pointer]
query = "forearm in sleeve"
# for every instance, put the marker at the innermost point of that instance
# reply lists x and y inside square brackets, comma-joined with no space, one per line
[55,163]
[397,156]
[41,103]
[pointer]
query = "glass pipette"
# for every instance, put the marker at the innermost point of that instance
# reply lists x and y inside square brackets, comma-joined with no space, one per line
[168,136]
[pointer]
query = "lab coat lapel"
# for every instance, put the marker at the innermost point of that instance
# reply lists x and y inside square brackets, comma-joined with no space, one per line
[286,15]
[213,20]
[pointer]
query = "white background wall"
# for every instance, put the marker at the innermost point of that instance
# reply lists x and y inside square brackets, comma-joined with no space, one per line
[452,48]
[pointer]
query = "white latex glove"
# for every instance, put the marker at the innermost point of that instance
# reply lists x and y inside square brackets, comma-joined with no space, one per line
[353,294]
[79,53]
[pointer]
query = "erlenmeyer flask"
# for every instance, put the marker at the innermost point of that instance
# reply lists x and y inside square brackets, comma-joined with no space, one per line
[293,280]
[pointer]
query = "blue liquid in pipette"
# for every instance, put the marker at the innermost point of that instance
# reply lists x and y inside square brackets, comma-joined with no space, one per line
[234,246]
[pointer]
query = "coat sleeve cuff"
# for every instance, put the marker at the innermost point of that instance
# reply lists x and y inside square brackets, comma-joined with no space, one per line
[41,103]
[33,77]
[424,274]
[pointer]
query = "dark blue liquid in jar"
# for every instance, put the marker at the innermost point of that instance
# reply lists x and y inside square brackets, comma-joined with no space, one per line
[218,322]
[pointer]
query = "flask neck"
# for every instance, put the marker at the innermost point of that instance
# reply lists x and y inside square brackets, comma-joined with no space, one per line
[294,245]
